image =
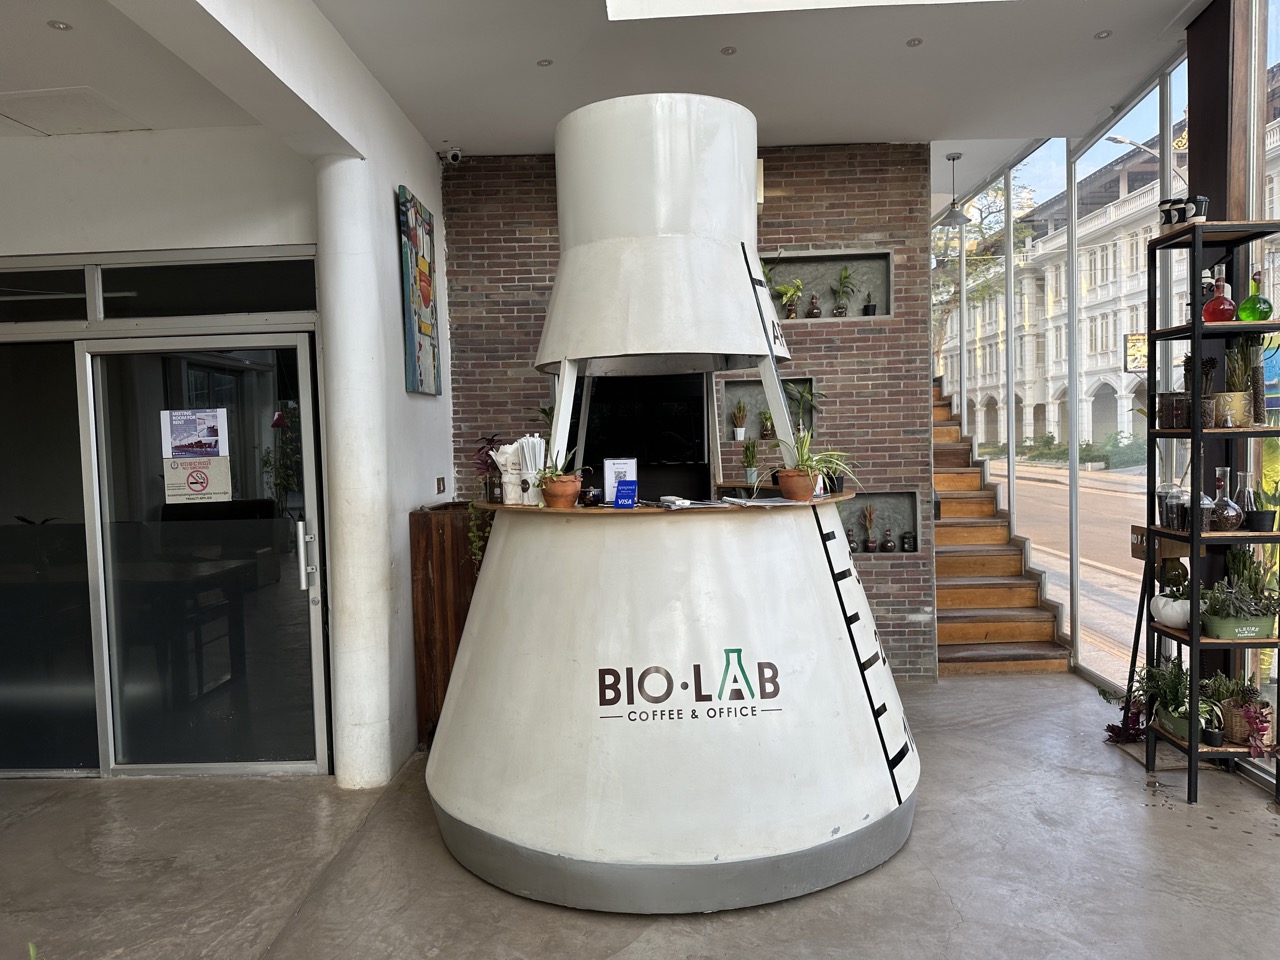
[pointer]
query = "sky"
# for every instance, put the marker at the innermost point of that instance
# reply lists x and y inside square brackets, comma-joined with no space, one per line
[1044,172]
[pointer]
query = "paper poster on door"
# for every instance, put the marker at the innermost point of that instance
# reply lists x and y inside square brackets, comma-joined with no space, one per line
[197,480]
[194,433]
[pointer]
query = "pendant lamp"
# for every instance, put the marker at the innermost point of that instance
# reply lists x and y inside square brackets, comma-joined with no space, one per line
[955,216]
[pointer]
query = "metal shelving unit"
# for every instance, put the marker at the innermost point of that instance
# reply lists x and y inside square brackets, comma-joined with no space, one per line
[1209,244]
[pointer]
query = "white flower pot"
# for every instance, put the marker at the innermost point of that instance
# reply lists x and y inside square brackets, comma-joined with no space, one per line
[1170,612]
[739,433]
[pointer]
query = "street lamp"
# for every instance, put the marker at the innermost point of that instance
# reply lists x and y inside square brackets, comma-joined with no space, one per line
[1125,141]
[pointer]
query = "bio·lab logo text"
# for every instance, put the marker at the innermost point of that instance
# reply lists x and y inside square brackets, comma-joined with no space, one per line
[738,687]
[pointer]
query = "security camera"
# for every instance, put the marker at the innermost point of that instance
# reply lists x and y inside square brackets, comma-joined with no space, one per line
[453,156]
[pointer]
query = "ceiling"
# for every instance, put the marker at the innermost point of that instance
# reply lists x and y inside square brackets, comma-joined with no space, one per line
[986,78]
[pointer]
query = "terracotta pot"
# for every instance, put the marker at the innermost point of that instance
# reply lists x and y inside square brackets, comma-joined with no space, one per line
[561,493]
[795,484]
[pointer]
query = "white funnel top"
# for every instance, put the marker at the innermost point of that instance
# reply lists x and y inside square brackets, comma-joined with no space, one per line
[657,195]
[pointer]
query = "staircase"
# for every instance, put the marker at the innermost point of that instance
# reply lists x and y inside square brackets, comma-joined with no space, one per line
[992,613]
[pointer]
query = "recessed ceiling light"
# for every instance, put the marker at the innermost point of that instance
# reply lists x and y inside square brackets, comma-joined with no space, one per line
[915,41]
[59,24]
[728,51]
[545,63]
[1102,34]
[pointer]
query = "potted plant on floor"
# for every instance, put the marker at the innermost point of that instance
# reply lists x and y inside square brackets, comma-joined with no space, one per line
[560,483]
[799,482]
[843,290]
[739,417]
[749,464]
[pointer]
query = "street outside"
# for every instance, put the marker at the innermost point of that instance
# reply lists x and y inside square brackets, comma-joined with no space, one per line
[1111,502]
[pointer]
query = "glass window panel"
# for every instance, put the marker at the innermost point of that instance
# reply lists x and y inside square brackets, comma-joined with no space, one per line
[48,716]
[196,289]
[28,295]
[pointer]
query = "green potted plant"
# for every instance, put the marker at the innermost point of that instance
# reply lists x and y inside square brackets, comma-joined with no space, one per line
[790,292]
[843,290]
[1233,695]
[802,401]
[869,306]
[739,417]
[749,464]
[766,425]
[799,481]
[1234,406]
[1230,610]
[1166,684]
[560,483]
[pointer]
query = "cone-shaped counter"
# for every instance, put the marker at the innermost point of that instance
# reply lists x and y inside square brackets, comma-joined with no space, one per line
[671,711]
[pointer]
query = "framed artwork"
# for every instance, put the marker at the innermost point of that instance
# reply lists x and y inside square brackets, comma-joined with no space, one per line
[417,270]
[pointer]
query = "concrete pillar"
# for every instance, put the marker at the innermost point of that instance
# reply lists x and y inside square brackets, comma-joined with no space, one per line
[358,521]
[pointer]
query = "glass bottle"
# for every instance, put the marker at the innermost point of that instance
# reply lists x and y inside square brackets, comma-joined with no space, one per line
[1255,308]
[1226,514]
[888,544]
[1221,308]
[1246,498]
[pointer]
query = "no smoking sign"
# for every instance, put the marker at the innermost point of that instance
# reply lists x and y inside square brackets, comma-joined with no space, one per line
[189,480]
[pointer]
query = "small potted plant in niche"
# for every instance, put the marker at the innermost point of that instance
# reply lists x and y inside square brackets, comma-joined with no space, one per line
[766,425]
[868,306]
[843,290]
[739,417]
[790,292]
[560,483]
[749,464]
[869,542]
[799,482]
[802,401]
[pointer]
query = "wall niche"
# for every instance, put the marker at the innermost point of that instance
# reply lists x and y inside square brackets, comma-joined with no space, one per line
[871,273]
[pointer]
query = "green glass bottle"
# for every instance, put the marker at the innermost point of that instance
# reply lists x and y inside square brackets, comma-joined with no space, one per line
[1256,308]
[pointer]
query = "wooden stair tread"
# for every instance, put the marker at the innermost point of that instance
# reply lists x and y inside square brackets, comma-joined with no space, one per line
[966,494]
[992,653]
[996,614]
[957,469]
[977,549]
[989,581]
[972,521]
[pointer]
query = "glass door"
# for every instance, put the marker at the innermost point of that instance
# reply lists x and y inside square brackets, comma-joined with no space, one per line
[203,483]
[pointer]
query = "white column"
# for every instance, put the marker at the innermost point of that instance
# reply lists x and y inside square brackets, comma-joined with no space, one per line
[357,503]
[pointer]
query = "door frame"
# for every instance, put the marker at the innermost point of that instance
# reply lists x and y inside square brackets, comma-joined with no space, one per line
[91,418]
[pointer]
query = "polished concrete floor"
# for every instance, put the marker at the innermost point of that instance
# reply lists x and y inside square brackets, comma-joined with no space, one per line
[1033,840]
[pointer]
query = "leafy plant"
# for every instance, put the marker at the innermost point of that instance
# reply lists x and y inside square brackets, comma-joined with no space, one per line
[844,288]
[484,464]
[545,414]
[749,453]
[739,414]
[1258,717]
[1230,599]
[1223,688]
[282,461]
[766,421]
[1239,366]
[479,525]
[559,468]
[802,399]
[830,463]
[790,291]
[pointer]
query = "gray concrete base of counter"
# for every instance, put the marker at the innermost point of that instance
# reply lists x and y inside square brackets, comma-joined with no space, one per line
[673,888]
[1032,839]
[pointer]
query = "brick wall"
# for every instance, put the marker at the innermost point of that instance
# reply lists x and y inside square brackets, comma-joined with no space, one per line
[500,224]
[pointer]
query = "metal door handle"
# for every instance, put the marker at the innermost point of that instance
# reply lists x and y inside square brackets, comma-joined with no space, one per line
[304,569]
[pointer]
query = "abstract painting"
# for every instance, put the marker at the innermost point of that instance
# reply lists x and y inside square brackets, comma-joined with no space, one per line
[417,269]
